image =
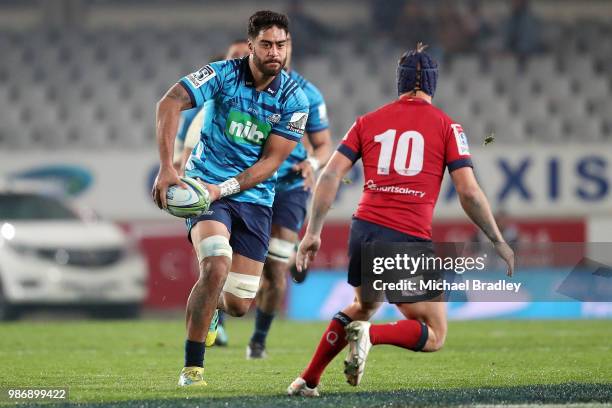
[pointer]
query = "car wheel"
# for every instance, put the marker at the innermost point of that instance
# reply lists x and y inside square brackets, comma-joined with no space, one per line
[8,312]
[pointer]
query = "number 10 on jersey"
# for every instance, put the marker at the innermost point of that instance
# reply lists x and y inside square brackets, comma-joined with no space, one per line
[406,140]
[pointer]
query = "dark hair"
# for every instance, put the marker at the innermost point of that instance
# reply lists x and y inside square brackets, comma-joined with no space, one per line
[264,19]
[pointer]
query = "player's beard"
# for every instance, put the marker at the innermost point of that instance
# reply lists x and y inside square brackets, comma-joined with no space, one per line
[266,69]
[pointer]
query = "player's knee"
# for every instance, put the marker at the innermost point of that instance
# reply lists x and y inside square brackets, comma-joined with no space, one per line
[242,289]
[434,345]
[214,246]
[435,340]
[280,251]
[237,308]
[214,270]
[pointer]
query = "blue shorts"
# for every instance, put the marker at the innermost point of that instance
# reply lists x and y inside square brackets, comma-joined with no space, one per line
[364,231]
[289,208]
[249,226]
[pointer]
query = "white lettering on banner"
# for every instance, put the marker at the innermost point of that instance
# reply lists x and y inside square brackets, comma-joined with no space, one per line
[546,181]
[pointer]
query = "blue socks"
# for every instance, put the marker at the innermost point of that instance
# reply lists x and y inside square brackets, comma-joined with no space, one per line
[194,353]
[263,321]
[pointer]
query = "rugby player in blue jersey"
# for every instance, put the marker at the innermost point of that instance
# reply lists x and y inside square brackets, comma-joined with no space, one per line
[293,188]
[195,124]
[197,121]
[261,114]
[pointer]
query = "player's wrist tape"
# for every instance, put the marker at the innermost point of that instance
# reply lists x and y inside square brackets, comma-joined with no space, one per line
[229,187]
[314,163]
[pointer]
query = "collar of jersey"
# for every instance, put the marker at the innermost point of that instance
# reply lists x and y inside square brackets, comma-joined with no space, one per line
[413,99]
[274,86]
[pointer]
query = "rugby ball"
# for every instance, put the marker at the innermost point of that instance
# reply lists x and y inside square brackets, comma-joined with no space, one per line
[187,202]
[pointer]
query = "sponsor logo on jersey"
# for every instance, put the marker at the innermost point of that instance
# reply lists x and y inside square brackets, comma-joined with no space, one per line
[371,185]
[274,118]
[202,76]
[462,143]
[297,123]
[244,128]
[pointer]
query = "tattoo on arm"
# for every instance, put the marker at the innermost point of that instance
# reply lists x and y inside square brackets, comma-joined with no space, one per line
[167,121]
[244,177]
[179,94]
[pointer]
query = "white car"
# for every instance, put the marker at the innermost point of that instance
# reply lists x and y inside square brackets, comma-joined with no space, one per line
[51,257]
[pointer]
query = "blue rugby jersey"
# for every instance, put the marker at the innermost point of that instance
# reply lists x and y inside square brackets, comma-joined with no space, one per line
[243,120]
[317,121]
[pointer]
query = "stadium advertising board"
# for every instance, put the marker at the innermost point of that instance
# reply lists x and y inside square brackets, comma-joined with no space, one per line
[555,181]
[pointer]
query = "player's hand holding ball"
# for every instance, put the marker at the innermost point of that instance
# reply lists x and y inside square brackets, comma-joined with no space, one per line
[166,177]
[214,192]
[180,196]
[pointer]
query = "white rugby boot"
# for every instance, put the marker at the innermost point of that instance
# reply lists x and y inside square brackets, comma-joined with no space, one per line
[359,345]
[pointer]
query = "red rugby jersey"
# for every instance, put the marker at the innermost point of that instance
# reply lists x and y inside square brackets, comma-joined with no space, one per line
[405,147]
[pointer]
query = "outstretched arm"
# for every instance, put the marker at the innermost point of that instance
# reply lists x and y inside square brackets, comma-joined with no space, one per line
[324,196]
[476,206]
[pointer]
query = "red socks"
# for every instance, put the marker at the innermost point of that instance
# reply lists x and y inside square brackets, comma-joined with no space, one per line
[409,334]
[332,343]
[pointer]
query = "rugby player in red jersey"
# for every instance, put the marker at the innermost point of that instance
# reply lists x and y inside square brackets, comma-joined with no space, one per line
[405,147]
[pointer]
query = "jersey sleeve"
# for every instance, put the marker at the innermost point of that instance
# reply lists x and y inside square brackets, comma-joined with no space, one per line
[317,118]
[294,115]
[350,146]
[205,83]
[457,150]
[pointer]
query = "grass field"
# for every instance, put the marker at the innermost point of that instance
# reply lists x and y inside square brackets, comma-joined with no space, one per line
[136,364]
